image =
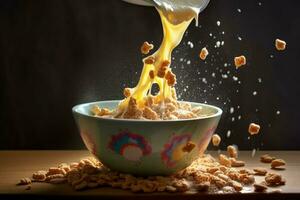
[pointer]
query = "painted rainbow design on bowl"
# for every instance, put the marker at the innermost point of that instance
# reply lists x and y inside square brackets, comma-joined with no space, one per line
[130,145]
[172,152]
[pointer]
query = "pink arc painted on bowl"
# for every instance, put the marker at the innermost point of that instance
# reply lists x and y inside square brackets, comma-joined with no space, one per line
[130,145]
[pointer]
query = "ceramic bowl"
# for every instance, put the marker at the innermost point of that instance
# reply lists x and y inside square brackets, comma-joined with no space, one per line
[145,147]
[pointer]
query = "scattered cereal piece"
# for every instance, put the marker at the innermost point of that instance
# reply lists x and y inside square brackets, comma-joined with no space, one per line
[277,163]
[24,181]
[149,60]
[237,163]
[239,61]
[127,92]
[188,147]
[236,185]
[273,179]
[266,158]
[146,47]
[232,151]
[246,178]
[55,170]
[280,44]
[259,171]
[253,128]
[53,176]
[97,111]
[260,187]
[224,160]
[39,175]
[216,139]
[203,54]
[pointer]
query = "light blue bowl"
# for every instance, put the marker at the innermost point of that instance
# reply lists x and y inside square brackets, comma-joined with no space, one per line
[145,147]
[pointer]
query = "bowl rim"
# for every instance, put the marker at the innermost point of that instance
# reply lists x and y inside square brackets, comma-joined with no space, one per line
[75,111]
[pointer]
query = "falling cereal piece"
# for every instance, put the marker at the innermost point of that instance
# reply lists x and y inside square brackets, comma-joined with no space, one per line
[171,78]
[280,44]
[239,61]
[203,54]
[146,47]
[127,92]
[253,129]
[216,139]
[149,60]
[232,151]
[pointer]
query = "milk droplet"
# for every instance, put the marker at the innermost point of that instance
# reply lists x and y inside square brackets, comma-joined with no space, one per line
[259,80]
[190,44]
[253,153]
[218,23]
[231,110]
[239,10]
[228,133]
[254,93]
[278,112]
[224,76]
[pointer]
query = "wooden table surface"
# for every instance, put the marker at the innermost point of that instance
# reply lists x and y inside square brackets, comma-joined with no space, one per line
[18,164]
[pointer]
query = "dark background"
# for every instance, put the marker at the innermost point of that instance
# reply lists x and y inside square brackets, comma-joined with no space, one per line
[59,53]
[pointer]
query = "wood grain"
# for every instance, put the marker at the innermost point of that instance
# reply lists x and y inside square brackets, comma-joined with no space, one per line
[19,164]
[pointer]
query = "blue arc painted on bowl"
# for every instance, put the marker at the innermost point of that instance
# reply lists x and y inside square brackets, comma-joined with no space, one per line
[97,133]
